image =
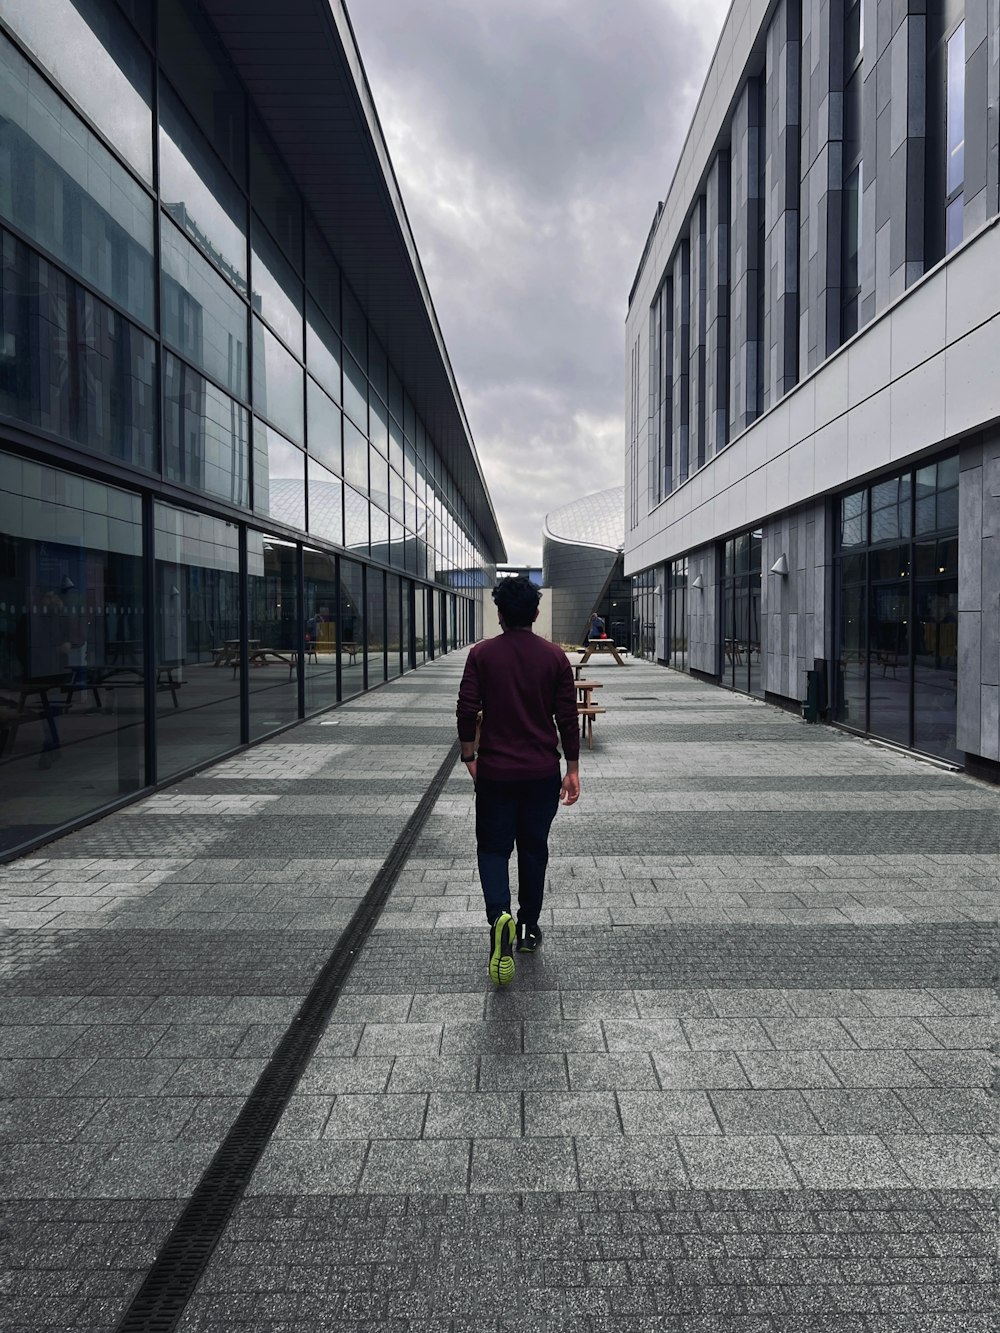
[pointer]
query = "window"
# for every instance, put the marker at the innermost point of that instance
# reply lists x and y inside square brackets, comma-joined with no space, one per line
[741,613]
[206,434]
[853,188]
[955,138]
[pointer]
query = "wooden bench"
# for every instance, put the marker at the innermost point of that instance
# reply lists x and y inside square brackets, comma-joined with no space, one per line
[587,713]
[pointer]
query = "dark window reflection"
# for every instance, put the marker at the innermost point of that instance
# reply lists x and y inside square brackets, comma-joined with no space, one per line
[393,627]
[197,638]
[71,658]
[352,629]
[741,613]
[935,647]
[274,637]
[71,365]
[206,435]
[375,621]
[319,629]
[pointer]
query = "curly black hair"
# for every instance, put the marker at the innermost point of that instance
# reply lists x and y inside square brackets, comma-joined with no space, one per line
[516,600]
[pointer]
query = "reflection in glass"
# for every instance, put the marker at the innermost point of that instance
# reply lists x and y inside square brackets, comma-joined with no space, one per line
[201,315]
[189,53]
[70,364]
[199,194]
[273,638]
[323,273]
[375,624]
[355,521]
[890,509]
[956,110]
[323,428]
[935,648]
[393,627]
[741,664]
[197,638]
[355,393]
[852,686]
[279,477]
[355,328]
[71,648]
[276,291]
[274,195]
[322,351]
[379,479]
[278,387]
[206,435]
[406,624]
[319,629]
[355,457]
[352,629]
[380,536]
[889,613]
[421,626]
[62,187]
[90,50]
[326,517]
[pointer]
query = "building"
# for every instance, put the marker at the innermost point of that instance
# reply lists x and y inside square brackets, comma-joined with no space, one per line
[583,567]
[813,379]
[237,484]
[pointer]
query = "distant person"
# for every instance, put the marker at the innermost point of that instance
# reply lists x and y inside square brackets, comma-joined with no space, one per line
[596,626]
[525,689]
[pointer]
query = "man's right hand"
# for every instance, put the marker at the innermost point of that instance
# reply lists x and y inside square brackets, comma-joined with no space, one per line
[570,793]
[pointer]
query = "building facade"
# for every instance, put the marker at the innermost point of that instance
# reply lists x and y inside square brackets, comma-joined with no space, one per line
[237,484]
[813,361]
[583,568]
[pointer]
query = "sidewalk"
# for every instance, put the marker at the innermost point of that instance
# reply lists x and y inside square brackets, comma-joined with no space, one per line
[744,1086]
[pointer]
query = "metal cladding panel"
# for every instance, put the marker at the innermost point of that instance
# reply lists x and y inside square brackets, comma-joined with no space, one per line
[300,64]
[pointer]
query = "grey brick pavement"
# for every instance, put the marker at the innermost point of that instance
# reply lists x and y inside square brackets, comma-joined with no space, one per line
[746,1085]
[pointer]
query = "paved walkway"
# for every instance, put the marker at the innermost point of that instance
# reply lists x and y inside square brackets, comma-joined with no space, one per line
[743,1087]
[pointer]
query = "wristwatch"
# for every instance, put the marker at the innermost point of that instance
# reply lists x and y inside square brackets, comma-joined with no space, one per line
[467,758]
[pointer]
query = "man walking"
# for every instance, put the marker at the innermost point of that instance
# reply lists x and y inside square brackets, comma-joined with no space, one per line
[521,683]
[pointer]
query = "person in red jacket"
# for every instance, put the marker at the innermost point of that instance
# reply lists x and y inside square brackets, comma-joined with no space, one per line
[524,686]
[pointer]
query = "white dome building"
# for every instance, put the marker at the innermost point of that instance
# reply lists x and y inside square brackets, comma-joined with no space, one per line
[582,546]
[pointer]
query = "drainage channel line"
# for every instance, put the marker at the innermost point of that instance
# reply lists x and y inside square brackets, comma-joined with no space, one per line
[170,1283]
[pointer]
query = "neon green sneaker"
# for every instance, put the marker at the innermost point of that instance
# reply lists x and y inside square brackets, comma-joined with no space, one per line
[502,950]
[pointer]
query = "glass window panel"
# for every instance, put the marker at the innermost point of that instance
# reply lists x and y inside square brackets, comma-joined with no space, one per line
[889,612]
[379,474]
[323,351]
[395,444]
[956,109]
[323,273]
[319,629]
[199,194]
[396,506]
[355,521]
[324,427]
[274,630]
[279,474]
[326,504]
[380,535]
[276,291]
[355,457]
[141,14]
[378,367]
[194,60]
[409,418]
[935,649]
[197,636]
[853,634]
[274,195]
[421,624]
[352,629]
[890,514]
[395,395]
[397,548]
[393,627]
[71,365]
[71,648]
[62,187]
[201,315]
[206,435]
[90,50]
[375,625]
[277,383]
[355,327]
[410,517]
[355,393]
[379,423]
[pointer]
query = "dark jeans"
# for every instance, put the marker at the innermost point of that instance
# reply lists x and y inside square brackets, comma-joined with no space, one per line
[509,813]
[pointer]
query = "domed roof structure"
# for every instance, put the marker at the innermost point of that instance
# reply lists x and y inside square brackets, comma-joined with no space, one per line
[596,520]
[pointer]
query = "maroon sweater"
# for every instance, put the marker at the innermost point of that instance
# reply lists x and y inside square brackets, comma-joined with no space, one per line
[521,682]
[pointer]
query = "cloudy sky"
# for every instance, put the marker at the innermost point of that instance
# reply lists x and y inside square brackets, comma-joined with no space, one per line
[532,140]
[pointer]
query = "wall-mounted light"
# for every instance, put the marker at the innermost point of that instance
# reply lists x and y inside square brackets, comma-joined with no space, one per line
[780,566]
[698,583]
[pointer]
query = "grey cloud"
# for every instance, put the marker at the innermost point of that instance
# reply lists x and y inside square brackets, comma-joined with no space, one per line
[532,142]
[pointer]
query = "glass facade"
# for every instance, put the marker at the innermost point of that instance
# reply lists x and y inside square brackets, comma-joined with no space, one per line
[644,596]
[208,469]
[741,668]
[897,620]
[677,621]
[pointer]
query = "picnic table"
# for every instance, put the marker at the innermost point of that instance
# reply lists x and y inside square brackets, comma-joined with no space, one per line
[587,709]
[593,646]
